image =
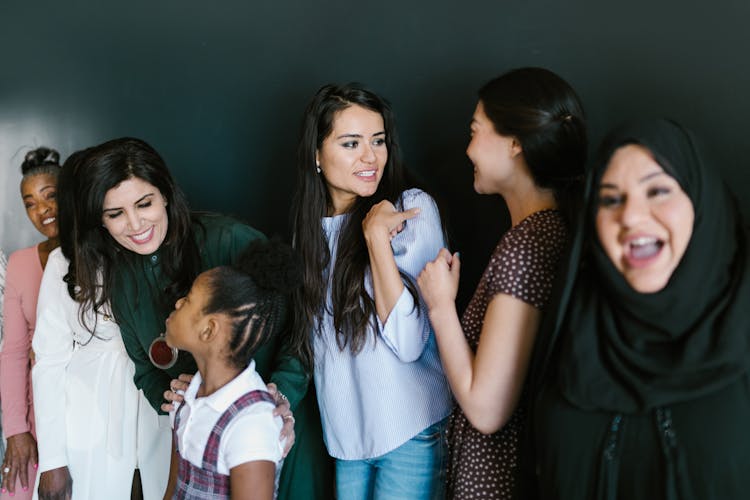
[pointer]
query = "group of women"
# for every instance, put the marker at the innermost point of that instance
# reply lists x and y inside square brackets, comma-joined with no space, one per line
[604,354]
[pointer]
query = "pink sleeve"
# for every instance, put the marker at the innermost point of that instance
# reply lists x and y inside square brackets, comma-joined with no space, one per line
[14,358]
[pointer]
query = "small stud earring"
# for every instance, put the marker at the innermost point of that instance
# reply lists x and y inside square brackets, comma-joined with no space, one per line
[317,166]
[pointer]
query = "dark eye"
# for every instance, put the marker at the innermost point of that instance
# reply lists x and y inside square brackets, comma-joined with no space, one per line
[113,215]
[380,141]
[52,196]
[656,191]
[351,144]
[28,206]
[145,204]
[609,201]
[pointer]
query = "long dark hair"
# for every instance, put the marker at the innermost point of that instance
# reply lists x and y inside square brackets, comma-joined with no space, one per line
[353,307]
[543,112]
[94,252]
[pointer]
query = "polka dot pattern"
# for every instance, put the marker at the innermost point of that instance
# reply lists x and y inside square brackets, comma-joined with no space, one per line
[523,265]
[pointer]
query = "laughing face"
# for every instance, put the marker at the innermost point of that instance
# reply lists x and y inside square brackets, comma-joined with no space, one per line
[39,194]
[353,156]
[135,214]
[644,220]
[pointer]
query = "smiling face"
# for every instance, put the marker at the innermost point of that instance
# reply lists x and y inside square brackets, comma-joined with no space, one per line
[353,156]
[134,212]
[491,153]
[39,194]
[644,220]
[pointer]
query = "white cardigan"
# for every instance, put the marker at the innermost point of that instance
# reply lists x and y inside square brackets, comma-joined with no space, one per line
[89,415]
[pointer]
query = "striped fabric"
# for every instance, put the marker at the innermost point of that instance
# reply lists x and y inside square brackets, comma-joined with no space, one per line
[394,388]
[197,483]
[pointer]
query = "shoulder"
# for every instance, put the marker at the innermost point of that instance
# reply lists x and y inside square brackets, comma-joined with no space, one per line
[415,197]
[22,265]
[211,226]
[540,233]
[24,257]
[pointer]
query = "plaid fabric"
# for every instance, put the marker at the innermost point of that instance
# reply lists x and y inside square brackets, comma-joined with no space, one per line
[198,483]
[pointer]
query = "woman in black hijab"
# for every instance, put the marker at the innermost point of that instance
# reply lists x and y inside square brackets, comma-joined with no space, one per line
[642,375]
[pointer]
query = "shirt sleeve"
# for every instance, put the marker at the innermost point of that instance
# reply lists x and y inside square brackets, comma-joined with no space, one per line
[526,259]
[252,435]
[3,265]
[14,358]
[53,347]
[407,327]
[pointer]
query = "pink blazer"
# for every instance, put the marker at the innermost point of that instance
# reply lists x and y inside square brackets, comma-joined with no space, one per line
[22,280]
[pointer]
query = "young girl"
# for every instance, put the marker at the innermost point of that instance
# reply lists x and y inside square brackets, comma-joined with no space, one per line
[226,438]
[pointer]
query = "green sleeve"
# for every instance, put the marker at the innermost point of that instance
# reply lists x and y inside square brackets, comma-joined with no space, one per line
[290,377]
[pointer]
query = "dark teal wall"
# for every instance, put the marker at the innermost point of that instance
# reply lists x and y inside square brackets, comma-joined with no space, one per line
[218,87]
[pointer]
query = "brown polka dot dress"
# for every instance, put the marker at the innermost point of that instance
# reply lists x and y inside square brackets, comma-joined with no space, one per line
[523,266]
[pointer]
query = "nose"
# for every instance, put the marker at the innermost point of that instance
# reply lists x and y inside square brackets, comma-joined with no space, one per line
[368,154]
[633,210]
[134,221]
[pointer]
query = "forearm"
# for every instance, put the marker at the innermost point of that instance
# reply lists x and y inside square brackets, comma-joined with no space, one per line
[386,280]
[14,391]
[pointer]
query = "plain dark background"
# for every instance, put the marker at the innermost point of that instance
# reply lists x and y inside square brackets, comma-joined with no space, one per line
[219,87]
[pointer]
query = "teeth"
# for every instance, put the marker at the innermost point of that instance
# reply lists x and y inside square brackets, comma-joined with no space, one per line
[48,220]
[365,173]
[143,236]
[643,240]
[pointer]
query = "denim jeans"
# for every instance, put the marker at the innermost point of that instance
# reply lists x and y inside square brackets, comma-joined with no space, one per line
[413,471]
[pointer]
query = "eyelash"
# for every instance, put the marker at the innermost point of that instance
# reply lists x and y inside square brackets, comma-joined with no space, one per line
[114,215]
[354,144]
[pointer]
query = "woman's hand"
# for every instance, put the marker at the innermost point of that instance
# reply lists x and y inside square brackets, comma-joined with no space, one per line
[383,220]
[283,409]
[438,281]
[21,451]
[56,484]
[171,395]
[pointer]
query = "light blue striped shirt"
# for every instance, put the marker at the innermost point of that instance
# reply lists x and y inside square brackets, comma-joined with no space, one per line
[394,387]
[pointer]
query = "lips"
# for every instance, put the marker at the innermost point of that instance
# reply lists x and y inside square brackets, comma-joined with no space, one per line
[143,237]
[48,221]
[366,174]
[640,251]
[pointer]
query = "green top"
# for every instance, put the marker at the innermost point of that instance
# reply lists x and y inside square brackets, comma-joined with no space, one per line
[138,307]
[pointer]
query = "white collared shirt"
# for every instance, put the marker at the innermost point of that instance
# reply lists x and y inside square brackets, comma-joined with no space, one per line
[253,434]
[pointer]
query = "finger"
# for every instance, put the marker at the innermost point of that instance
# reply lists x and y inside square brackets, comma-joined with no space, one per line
[272,389]
[12,477]
[23,473]
[288,445]
[167,407]
[445,255]
[456,265]
[283,409]
[185,377]
[6,476]
[411,213]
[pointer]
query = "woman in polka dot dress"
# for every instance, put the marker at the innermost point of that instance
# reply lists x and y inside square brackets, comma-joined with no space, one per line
[528,145]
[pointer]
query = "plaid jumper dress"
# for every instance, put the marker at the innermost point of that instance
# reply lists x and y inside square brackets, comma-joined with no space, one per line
[198,483]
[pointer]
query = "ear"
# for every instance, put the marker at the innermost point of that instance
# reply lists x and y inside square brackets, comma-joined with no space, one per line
[317,158]
[164,198]
[515,148]
[210,329]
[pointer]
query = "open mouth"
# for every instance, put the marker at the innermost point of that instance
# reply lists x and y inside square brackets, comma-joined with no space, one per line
[642,250]
[143,237]
[48,221]
[366,174]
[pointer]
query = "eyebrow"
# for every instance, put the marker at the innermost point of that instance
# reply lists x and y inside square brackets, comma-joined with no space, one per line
[643,179]
[359,136]
[136,202]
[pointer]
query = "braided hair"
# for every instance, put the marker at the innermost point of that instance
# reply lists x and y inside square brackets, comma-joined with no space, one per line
[254,293]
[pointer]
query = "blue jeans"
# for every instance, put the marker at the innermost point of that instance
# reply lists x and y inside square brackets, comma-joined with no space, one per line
[413,471]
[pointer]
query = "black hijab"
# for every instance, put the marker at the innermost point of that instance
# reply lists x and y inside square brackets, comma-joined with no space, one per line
[626,351]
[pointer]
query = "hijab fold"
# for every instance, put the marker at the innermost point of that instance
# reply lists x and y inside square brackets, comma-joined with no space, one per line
[626,351]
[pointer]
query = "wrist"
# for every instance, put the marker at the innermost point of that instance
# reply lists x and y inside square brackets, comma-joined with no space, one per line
[441,312]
